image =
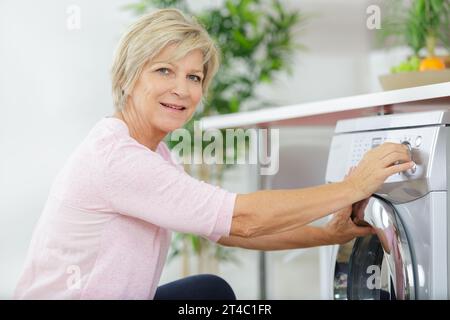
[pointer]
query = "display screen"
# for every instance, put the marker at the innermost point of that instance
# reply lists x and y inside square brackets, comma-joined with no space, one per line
[376,142]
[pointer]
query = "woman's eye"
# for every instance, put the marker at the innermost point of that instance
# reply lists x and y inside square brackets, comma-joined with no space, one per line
[195,78]
[163,71]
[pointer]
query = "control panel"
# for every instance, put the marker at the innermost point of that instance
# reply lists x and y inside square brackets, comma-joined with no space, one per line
[348,149]
[363,143]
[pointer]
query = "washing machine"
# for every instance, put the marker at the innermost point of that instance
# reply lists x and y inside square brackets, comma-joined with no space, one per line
[408,256]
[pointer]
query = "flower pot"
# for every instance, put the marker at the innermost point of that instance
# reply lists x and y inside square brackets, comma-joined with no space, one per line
[413,79]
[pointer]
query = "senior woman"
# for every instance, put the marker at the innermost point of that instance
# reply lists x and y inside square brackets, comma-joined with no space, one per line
[106,227]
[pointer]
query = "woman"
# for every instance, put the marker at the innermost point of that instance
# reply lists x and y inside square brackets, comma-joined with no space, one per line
[105,230]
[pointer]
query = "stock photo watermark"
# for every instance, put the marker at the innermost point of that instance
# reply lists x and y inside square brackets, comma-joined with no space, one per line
[373,21]
[374,280]
[73,281]
[73,20]
[263,147]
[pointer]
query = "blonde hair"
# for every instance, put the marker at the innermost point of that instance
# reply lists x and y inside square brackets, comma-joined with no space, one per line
[145,39]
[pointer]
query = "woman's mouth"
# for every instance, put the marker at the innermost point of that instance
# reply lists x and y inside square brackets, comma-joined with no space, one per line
[173,107]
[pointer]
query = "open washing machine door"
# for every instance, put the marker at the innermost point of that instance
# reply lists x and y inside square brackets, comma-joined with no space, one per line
[379,266]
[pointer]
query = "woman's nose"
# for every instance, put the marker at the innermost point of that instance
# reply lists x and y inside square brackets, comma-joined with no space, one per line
[180,87]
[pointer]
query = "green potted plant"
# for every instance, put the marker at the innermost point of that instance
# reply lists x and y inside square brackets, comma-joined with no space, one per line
[258,36]
[422,26]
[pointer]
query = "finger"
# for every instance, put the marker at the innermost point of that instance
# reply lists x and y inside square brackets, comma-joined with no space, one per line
[363,231]
[385,147]
[389,147]
[397,146]
[394,157]
[398,168]
[398,151]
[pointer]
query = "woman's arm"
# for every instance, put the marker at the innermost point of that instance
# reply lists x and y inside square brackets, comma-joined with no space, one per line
[301,237]
[338,230]
[273,211]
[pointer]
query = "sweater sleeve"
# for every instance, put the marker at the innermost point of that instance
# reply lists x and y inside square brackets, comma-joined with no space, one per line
[142,184]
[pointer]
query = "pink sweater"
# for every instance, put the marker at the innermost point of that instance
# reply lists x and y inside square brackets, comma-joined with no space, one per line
[105,230]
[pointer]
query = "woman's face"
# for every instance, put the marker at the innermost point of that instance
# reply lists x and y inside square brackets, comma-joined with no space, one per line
[167,93]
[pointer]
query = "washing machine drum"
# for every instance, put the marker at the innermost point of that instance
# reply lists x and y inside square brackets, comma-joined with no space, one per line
[377,266]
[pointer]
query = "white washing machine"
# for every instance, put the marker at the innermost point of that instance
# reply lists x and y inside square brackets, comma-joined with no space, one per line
[408,257]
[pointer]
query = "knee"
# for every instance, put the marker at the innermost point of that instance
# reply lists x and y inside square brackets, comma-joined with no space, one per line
[219,288]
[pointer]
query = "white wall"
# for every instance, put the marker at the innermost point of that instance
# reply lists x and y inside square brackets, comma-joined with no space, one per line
[54,85]
[334,63]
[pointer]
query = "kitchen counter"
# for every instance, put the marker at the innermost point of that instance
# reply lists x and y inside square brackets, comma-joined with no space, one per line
[327,112]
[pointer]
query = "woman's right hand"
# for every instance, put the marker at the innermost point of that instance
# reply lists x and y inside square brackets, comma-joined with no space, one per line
[376,166]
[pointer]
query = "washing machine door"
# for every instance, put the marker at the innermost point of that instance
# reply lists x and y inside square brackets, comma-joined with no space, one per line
[377,266]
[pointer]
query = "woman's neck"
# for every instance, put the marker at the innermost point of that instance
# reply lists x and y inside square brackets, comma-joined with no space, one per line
[139,131]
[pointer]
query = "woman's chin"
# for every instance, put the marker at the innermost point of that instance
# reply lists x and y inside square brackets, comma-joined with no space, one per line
[170,127]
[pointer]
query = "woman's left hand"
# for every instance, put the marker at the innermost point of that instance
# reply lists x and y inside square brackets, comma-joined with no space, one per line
[341,228]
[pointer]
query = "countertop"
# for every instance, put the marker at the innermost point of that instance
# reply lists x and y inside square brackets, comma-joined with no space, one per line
[327,112]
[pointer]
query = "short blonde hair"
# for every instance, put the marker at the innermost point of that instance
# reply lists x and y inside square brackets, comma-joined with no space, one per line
[145,39]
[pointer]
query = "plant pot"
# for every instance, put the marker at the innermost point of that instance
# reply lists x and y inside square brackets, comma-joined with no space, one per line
[413,79]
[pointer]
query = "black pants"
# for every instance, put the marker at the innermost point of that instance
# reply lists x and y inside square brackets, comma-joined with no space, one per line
[198,287]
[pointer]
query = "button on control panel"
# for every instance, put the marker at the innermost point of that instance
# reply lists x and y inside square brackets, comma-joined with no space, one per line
[418,141]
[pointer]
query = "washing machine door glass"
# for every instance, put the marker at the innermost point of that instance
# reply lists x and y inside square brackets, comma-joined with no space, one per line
[378,266]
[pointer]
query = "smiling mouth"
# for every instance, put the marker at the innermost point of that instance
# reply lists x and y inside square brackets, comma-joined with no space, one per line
[173,106]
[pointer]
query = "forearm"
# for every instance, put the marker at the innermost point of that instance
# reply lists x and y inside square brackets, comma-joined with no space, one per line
[272,211]
[302,237]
